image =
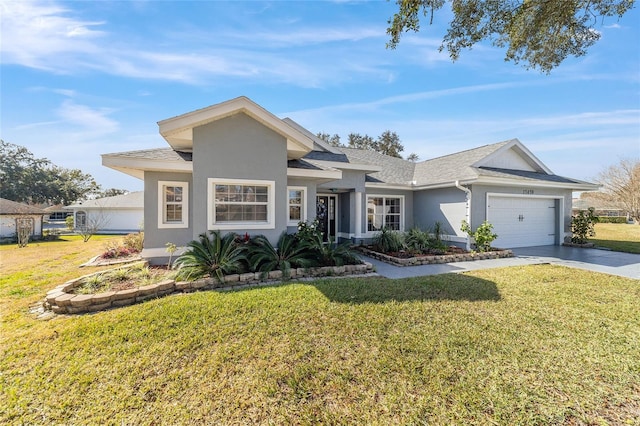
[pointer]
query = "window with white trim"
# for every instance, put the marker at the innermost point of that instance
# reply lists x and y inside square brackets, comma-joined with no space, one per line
[384,211]
[173,204]
[296,201]
[241,204]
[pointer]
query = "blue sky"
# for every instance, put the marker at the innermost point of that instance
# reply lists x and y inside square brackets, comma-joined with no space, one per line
[79,79]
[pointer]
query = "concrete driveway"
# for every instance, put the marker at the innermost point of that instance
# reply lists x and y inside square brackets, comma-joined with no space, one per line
[609,262]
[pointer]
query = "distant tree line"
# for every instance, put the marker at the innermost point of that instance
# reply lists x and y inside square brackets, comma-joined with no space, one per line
[27,179]
[387,143]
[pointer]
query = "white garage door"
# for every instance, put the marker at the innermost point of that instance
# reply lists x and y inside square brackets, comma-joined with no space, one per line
[522,221]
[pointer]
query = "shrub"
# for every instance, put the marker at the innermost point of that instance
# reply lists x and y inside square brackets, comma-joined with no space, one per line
[582,226]
[612,219]
[309,231]
[289,253]
[116,251]
[215,256]
[68,221]
[134,242]
[330,254]
[387,240]
[483,236]
[417,240]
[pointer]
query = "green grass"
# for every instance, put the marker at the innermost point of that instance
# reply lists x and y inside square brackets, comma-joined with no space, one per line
[618,237]
[524,345]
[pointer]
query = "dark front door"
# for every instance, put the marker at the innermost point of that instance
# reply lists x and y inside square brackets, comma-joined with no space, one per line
[326,215]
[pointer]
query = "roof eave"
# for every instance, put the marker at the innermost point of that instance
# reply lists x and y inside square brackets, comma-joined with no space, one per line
[178,131]
[137,166]
[574,186]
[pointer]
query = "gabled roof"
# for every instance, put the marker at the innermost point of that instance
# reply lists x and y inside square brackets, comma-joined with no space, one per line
[319,144]
[8,207]
[135,163]
[132,200]
[391,170]
[178,131]
[470,166]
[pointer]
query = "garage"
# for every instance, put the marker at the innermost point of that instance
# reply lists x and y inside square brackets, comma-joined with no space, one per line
[522,221]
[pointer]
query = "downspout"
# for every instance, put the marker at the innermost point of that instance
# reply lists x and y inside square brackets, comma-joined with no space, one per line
[467,209]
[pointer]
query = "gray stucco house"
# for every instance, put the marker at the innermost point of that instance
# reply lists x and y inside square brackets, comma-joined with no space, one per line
[236,167]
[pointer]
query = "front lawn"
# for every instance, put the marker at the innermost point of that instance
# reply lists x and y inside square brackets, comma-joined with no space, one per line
[618,237]
[524,345]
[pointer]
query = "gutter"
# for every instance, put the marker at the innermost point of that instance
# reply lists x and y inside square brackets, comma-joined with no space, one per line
[467,209]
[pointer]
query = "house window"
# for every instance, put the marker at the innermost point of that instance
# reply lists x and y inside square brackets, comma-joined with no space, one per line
[297,199]
[241,204]
[81,220]
[173,204]
[384,211]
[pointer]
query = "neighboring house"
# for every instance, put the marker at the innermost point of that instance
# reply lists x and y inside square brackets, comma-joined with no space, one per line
[236,167]
[56,213]
[14,216]
[601,207]
[120,214]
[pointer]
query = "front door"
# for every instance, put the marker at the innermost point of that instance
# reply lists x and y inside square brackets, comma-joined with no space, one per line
[326,215]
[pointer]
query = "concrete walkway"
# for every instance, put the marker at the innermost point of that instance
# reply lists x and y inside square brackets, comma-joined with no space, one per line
[609,262]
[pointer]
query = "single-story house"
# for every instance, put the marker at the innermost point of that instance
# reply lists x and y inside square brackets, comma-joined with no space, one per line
[14,216]
[56,213]
[601,206]
[236,167]
[120,214]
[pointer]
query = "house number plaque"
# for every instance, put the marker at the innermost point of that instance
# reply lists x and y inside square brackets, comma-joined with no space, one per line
[527,191]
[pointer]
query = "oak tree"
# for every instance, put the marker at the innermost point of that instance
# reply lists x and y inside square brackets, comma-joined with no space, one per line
[539,33]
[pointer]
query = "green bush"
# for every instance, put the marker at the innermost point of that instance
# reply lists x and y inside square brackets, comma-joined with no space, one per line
[330,254]
[289,253]
[416,240]
[387,240]
[68,221]
[612,219]
[483,235]
[215,256]
[582,226]
[309,231]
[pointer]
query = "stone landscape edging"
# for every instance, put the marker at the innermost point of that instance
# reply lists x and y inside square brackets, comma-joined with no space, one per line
[436,259]
[61,300]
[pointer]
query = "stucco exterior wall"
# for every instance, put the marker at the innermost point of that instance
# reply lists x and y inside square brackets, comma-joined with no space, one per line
[408,216]
[310,207]
[239,147]
[351,179]
[479,202]
[155,237]
[445,205]
[8,225]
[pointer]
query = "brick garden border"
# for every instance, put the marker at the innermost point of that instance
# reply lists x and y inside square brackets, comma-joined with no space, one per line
[61,300]
[435,259]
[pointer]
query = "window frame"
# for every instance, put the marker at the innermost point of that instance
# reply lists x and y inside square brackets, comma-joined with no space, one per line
[384,198]
[162,222]
[303,205]
[240,225]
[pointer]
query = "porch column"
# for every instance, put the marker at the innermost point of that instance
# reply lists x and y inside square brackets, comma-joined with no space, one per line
[358,214]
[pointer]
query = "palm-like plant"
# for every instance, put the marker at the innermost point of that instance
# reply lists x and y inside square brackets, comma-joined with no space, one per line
[213,256]
[387,240]
[264,257]
[416,239]
[330,254]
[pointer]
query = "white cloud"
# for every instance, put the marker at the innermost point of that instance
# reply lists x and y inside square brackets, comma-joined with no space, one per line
[51,37]
[41,36]
[95,122]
